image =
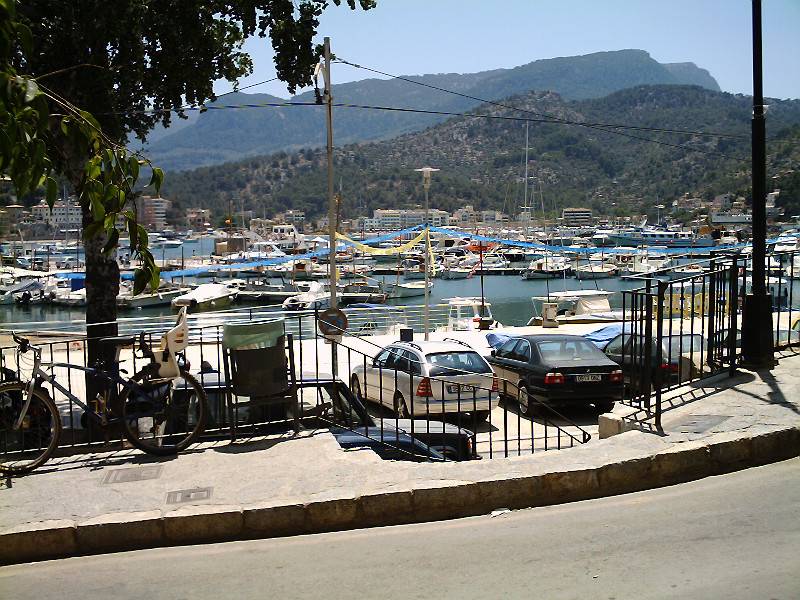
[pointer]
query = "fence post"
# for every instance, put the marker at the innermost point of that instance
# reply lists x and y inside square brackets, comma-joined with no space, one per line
[712,308]
[733,322]
[662,288]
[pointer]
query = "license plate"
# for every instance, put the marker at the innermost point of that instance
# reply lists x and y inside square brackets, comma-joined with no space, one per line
[455,388]
[587,378]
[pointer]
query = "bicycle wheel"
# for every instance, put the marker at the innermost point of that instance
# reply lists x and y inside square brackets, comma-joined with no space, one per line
[24,449]
[163,416]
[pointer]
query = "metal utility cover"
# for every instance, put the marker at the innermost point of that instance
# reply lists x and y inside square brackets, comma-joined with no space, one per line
[698,423]
[133,474]
[193,495]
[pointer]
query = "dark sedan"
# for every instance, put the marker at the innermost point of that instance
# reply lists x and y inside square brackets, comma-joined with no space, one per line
[400,439]
[557,370]
[682,356]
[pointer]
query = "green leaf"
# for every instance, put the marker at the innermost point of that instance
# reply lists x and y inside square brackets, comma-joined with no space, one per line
[52,192]
[93,230]
[31,89]
[157,179]
[89,118]
[134,167]
[26,38]
[92,169]
[112,243]
[98,210]
[140,280]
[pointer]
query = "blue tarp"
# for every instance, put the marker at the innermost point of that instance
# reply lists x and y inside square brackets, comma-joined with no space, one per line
[605,334]
[497,339]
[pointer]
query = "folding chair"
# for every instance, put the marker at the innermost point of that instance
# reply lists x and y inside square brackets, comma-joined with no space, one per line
[256,369]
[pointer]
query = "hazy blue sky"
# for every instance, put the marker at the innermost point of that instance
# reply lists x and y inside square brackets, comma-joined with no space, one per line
[414,37]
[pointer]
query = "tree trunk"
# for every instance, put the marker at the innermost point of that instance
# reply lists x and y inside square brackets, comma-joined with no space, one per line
[102,287]
[102,282]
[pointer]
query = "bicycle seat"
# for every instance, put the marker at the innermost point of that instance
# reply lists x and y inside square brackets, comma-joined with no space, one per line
[118,341]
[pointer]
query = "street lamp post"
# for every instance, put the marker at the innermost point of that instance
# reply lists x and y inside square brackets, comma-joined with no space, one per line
[757,343]
[426,183]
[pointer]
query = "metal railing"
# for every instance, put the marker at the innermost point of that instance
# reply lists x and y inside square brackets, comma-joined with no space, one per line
[494,433]
[680,330]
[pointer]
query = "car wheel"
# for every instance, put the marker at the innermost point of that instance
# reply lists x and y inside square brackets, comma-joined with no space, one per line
[400,406]
[604,407]
[356,387]
[524,399]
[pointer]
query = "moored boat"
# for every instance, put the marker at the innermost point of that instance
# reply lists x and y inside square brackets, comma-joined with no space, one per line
[205,297]
[315,298]
[577,306]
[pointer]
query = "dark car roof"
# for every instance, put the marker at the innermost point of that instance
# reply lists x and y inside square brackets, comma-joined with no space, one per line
[375,440]
[547,337]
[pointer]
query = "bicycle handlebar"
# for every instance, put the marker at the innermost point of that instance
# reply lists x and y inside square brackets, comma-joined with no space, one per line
[23,343]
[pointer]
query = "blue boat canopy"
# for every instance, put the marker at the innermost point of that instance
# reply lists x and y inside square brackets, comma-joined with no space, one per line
[607,333]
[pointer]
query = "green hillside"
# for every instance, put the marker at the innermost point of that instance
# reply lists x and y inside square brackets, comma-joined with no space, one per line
[613,170]
[227,135]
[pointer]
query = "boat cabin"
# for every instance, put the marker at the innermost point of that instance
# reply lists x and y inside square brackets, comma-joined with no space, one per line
[469,313]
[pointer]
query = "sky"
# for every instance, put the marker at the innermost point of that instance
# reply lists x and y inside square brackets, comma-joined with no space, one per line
[416,37]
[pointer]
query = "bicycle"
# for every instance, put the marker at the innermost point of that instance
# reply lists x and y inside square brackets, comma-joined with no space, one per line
[162,409]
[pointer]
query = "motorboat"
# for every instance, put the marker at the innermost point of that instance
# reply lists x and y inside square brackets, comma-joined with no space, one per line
[416,271]
[467,314]
[455,273]
[651,236]
[635,265]
[22,292]
[163,296]
[595,270]
[206,296]
[406,289]
[361,292]
[316,298]
[577,306]
[547,267]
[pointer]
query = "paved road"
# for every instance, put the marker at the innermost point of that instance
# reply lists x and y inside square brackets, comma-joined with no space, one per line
[732,536]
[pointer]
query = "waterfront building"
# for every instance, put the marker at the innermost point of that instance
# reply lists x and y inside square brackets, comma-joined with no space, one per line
[66,214]
[152,212]
[576,217]
[198,218]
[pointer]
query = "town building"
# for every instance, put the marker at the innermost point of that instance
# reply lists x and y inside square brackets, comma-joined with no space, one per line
[65,214]
[198,219]
[152,212]
[576,217]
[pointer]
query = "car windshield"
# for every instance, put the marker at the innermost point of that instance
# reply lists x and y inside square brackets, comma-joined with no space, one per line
[453,363]
[569,349]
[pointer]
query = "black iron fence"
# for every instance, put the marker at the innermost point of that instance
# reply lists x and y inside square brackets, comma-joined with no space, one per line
[494,426]
[679,330]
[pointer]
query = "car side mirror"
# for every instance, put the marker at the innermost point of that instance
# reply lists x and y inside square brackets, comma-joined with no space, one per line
[493,352]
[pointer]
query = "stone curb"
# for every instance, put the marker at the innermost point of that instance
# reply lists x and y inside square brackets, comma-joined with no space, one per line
[435,500]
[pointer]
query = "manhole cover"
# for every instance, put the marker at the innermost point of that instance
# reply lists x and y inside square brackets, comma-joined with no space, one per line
[192,495]
[697,423]
[133,474]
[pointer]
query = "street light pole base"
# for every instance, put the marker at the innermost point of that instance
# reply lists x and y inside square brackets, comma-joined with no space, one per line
[758,347]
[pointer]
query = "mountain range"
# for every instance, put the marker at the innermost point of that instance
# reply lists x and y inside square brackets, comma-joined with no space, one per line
[620,154]
[378,109]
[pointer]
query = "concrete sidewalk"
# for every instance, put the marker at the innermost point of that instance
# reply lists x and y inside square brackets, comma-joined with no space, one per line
[293,484]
